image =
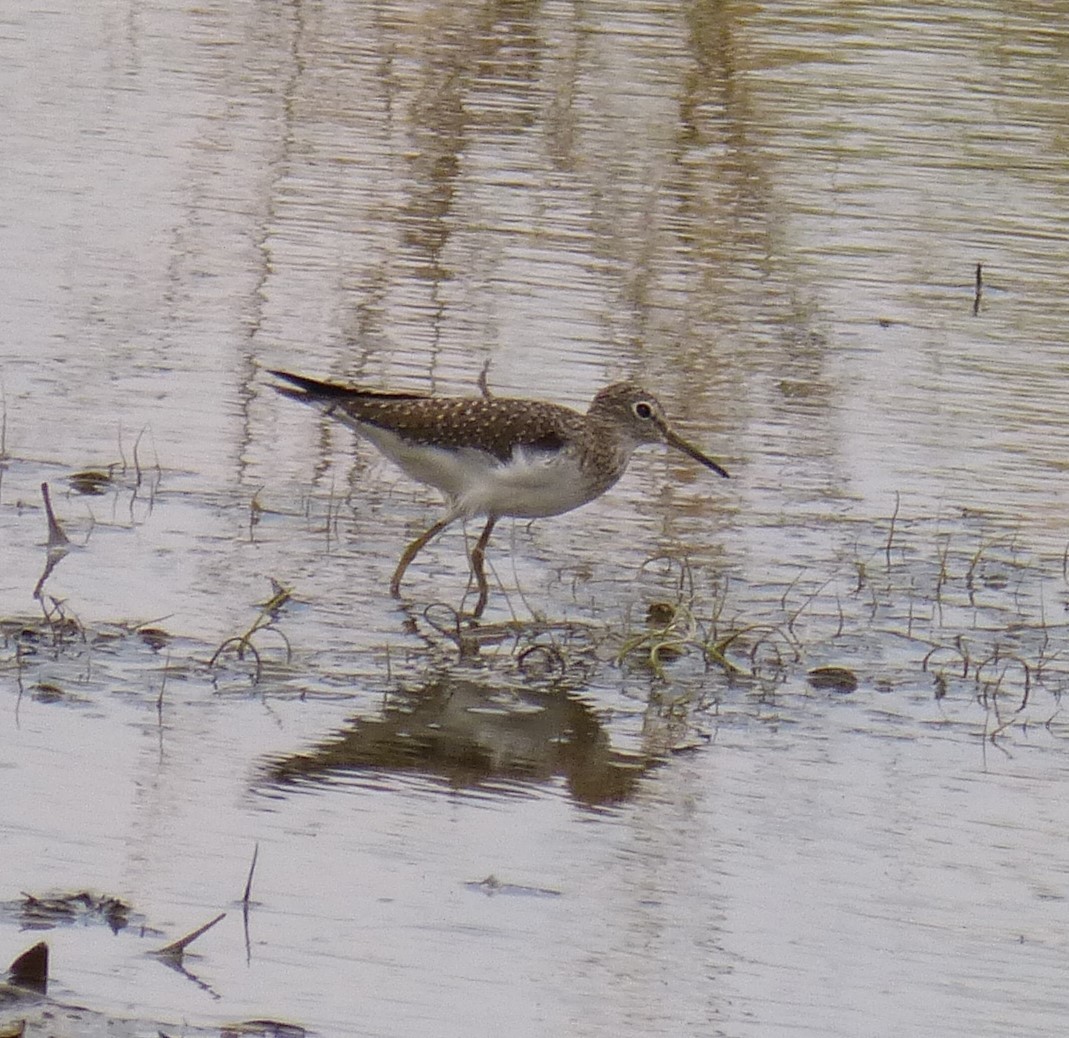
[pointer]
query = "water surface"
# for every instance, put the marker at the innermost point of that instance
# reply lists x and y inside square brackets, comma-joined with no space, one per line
[580,824]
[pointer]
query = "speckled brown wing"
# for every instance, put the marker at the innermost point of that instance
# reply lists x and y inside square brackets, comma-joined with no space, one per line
[495,425]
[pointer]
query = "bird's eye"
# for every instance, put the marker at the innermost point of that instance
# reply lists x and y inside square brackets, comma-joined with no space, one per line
[643,410]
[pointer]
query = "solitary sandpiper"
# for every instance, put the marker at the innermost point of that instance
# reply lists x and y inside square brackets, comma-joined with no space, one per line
[498,456]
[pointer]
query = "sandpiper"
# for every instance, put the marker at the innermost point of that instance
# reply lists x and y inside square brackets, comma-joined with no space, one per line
[498,456]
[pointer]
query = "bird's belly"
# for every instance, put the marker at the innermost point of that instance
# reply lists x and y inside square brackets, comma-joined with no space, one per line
[528,487]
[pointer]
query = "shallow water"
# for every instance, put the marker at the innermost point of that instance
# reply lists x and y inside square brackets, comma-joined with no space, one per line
[582,823]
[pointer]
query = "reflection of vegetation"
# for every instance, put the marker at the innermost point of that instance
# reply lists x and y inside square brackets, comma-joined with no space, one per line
[832,679]
[46,913]
[27,977]
[92,482]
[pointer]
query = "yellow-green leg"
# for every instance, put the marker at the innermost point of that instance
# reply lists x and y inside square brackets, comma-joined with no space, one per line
[412,551]
[478,566]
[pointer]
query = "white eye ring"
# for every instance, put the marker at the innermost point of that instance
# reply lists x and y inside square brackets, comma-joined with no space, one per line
[642,410]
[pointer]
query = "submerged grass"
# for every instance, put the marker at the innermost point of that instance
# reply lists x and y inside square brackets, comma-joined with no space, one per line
[946,616]
[909,605]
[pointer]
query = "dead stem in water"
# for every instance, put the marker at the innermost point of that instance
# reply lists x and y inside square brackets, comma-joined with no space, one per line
[57,539]
[891,531]
[252,869]
[174,951]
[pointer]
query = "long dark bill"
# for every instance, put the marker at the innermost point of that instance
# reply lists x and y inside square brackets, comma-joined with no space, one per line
[692,452]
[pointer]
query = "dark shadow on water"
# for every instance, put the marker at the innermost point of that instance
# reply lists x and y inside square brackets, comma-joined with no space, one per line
[473,734]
